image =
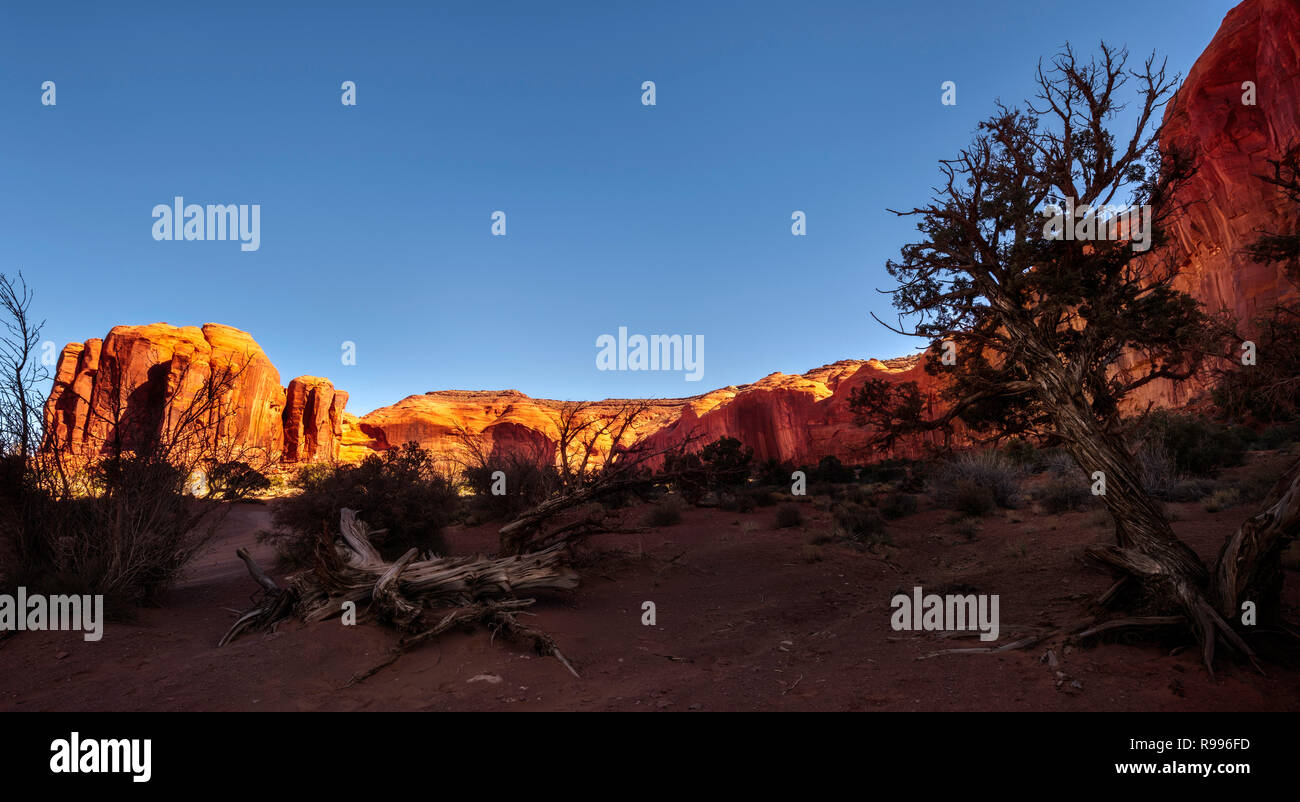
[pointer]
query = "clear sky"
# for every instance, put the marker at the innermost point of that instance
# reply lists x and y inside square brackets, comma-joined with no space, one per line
[375,219]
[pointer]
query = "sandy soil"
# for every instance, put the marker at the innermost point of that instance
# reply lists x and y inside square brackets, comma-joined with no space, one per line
[750,617]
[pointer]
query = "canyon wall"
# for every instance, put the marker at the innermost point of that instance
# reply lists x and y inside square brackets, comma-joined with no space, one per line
[142,385]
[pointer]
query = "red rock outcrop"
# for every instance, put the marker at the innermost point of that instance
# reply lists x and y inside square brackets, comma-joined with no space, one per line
[795,418]
[141,382]
[313,420]
[1226,205]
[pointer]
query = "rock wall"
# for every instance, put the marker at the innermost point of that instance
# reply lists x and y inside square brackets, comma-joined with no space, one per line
[141,383]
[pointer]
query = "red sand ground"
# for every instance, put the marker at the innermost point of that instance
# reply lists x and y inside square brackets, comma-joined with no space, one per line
[744,623]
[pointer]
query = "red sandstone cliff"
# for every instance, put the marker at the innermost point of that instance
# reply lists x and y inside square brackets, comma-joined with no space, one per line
[141,382]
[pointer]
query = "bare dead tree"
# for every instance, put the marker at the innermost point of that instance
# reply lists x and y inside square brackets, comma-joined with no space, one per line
[20,370]
[600,456]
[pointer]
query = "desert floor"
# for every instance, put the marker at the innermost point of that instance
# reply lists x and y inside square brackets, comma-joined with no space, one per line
[749,617]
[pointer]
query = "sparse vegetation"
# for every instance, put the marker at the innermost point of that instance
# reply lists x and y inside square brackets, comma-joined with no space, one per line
[976,482]
[1222,499]
[1066,493]
[236,481]
[666,512]
[403,495]
[894,506]
[788,516]
[858,522]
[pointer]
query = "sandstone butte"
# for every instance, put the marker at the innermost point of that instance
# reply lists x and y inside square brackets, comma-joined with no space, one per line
[795,418]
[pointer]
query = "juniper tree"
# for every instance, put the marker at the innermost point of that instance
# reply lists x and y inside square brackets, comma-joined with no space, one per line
[1052,334]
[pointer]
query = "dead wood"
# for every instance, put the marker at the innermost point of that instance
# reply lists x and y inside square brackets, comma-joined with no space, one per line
[421,597]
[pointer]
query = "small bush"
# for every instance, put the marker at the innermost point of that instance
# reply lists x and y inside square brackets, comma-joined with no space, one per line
[774,473]
[968,528]
[972,477]
[858,522]
[1278,436]
[1222,499]
[1020,453]
[974,499]
[402,496]
[737,502]
[665,513]
[811,553]
[1057,463]
[788,516]
[127,537]
[897,505]
[1196,447]
[890,470]
[1156,470]
[528,482]
[830,470]
[1061,494]
[235,481]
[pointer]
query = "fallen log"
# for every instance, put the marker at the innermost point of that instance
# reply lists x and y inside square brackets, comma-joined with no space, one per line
[423,598]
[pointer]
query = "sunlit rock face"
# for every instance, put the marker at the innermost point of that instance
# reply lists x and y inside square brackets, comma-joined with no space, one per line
[141,384]
[1225,206]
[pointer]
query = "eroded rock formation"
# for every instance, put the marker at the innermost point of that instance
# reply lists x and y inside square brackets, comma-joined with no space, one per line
[142,385]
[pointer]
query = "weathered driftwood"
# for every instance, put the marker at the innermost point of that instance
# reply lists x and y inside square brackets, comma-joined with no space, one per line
[423,598]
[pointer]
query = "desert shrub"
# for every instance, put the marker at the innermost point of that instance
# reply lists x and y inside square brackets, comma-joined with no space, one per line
[1161,478]
[1222,499]
[774,473]
[858,522]
[811,553]
[726,463]
[741,501]
[1279,435]
[763,497]
[686,475]
[1021,453]
[889,470]
[971,478]
[402,492]
[235,481]
[528,482]
[667,512]
[1190,489]
[1266,391]
[1156,469]
[1065,493]
[897,505]
[1057,463]
[721,466]
[788,516]
[972,498]
[128,534]
[830,470]
[858,494]
[1196,447]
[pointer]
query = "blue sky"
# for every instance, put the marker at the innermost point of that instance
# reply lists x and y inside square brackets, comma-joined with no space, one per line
[375,221]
